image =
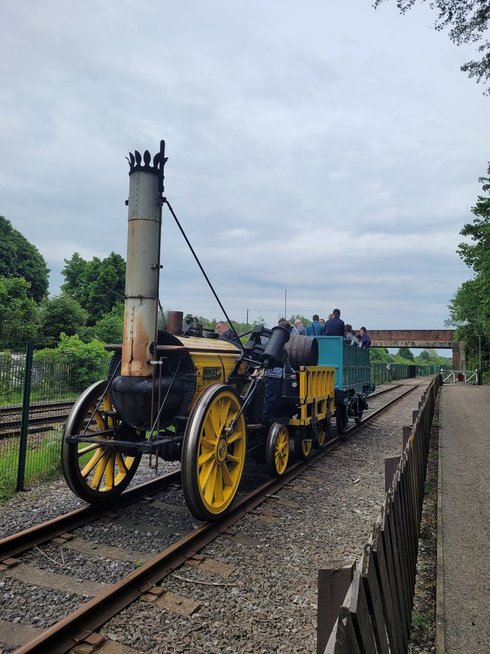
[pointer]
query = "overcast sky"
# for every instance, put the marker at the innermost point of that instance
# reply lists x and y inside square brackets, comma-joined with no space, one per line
[324,148]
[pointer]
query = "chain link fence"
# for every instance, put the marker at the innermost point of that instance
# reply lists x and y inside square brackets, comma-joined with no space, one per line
[36,395]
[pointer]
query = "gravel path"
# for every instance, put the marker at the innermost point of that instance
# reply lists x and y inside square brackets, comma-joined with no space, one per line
[258,591]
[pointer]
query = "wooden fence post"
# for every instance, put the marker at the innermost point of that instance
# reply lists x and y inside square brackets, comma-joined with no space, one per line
[333,583]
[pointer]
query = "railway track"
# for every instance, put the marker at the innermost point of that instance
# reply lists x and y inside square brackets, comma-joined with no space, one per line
[42,416]
[143,581]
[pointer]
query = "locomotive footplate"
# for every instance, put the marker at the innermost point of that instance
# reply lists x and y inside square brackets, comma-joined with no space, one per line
[147,446]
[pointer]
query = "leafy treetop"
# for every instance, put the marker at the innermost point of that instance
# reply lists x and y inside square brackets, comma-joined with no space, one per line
[467,21]
[97,285]
[19,258]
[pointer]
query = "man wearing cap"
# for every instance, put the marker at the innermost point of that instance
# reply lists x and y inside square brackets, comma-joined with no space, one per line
[335,326]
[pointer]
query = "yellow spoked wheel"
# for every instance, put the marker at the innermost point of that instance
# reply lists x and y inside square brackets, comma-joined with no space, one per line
[303,444]
[98,473]
[213,452]
[277,450]
[320,436]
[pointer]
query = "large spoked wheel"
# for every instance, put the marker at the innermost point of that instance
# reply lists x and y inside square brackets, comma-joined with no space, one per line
[341,418]
[213,452]
[277,450]
[303,444]
[97,473]
[322,433]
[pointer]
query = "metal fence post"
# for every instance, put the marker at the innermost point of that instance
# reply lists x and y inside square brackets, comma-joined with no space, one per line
[26,398]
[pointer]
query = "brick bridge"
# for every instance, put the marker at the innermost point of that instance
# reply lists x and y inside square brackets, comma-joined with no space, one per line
[435,339]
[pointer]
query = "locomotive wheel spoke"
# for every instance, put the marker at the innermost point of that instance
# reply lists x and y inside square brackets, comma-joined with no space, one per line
[235,460]
[121,463]
[90,448]
[92,463]
[96,472]
[209,484]
[227,480]
[234,437]
[212,460]
[99,471]
[109,478]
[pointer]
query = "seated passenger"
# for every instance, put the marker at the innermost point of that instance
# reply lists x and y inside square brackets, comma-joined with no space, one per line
[365,339]
[335,326]
[350,337]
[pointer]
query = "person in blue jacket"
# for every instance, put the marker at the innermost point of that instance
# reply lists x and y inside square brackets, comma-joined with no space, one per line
[335,326]
[365,338]
[315,328]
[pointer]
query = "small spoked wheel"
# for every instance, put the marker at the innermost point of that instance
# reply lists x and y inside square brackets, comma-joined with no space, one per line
[321,435]
[277,450]
[96,472]
[213,452]
[303,443]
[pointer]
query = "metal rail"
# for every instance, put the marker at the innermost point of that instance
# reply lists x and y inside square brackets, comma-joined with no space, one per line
[40,417]
[42,533]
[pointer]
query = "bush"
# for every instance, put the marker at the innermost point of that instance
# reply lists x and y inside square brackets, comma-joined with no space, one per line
[73,364]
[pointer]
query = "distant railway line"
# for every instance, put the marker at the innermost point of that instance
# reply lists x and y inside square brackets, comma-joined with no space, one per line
[42,417]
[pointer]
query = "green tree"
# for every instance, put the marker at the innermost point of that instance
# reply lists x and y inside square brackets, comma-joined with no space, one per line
[19,314]
[97,285]
[467,21]
[405,353]
[469,309]
[19,258]
[60,314]
[380,355]
[109,328]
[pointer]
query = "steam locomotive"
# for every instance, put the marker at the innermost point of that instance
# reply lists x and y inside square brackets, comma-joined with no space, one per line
[199,400]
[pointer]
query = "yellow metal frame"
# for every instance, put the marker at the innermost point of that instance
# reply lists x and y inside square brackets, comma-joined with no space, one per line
[211,366]
[316,394]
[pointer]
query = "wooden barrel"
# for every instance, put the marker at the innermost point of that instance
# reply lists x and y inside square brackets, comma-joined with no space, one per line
[302,351]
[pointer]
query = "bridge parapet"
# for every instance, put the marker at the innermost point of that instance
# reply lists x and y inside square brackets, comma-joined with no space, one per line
[436,339]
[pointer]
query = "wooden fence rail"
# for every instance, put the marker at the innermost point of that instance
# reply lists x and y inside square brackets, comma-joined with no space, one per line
[375,613]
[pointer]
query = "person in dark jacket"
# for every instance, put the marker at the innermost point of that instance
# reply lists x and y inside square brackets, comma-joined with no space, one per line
[315,328]
[226,333]
[365,338]
[335,326]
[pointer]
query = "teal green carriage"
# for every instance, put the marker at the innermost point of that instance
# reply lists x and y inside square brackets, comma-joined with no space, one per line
[352,377]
